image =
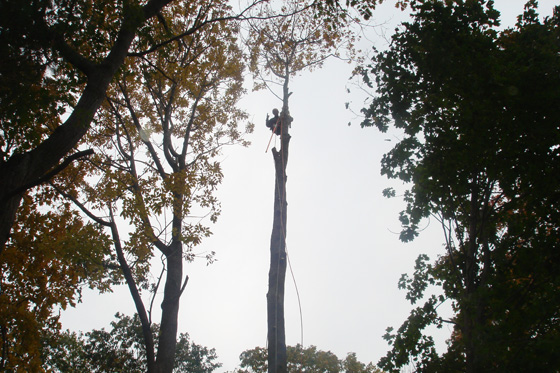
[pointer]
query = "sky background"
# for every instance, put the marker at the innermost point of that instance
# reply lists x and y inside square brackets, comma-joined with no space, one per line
[342,235]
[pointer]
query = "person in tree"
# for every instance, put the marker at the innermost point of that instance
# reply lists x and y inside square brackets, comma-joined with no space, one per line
[274,123]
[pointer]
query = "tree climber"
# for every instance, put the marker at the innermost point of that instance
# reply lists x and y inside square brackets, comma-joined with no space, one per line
[274,123]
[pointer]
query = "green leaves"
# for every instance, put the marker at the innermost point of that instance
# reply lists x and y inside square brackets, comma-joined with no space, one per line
[422,278]
[120,349]
[479,141]
[410,345]
[304,359]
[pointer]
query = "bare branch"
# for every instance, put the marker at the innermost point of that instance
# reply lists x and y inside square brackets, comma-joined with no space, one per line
[138,126]
[156,288]
[81,206]
[197,26]
[133,288]
[73,57]
[184,285]
[52,173]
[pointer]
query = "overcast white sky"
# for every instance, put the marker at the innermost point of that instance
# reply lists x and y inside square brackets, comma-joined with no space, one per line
[342,234]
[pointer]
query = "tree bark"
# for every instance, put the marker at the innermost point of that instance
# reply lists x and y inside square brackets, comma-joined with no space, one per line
[277,358]
[277,355]
[170,311]
[278,263]
[165,359]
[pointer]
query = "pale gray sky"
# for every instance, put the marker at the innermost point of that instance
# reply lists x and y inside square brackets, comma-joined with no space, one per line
[342,234]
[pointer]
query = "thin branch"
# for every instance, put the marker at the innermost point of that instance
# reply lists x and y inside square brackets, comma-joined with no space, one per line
[72,56]
[133,288]
[167,126]
[49,175]
[184,285]
[447,321]
[81,206]
[119,123]
[238,17]
[189,125]
[155,290]
[138,126]
[143,211]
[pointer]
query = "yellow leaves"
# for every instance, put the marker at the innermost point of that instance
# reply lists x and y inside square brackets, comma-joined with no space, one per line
[155,139]
[49,256]
[294,43]
[165,118]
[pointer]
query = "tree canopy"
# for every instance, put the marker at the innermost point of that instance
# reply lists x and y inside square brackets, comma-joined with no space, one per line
[304,359]
[156,140]
[50,257]
[480,147]
[120,350]
[174,95]
[120,108]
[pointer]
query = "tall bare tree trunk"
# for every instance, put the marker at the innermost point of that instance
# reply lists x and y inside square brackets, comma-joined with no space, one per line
[277,357]
[277,360]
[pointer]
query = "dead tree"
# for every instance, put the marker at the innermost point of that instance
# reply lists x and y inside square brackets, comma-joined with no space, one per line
[277,358]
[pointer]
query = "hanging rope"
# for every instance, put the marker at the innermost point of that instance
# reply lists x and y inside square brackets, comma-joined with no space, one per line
[286,249]
[273,133]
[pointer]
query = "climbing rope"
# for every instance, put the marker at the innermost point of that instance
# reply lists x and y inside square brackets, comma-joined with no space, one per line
[286,249]
[273,133]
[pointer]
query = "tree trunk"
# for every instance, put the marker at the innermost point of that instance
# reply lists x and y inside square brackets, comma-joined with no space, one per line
[277,360]
[165,359]
[277,355]
[276,278]
[170,312]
